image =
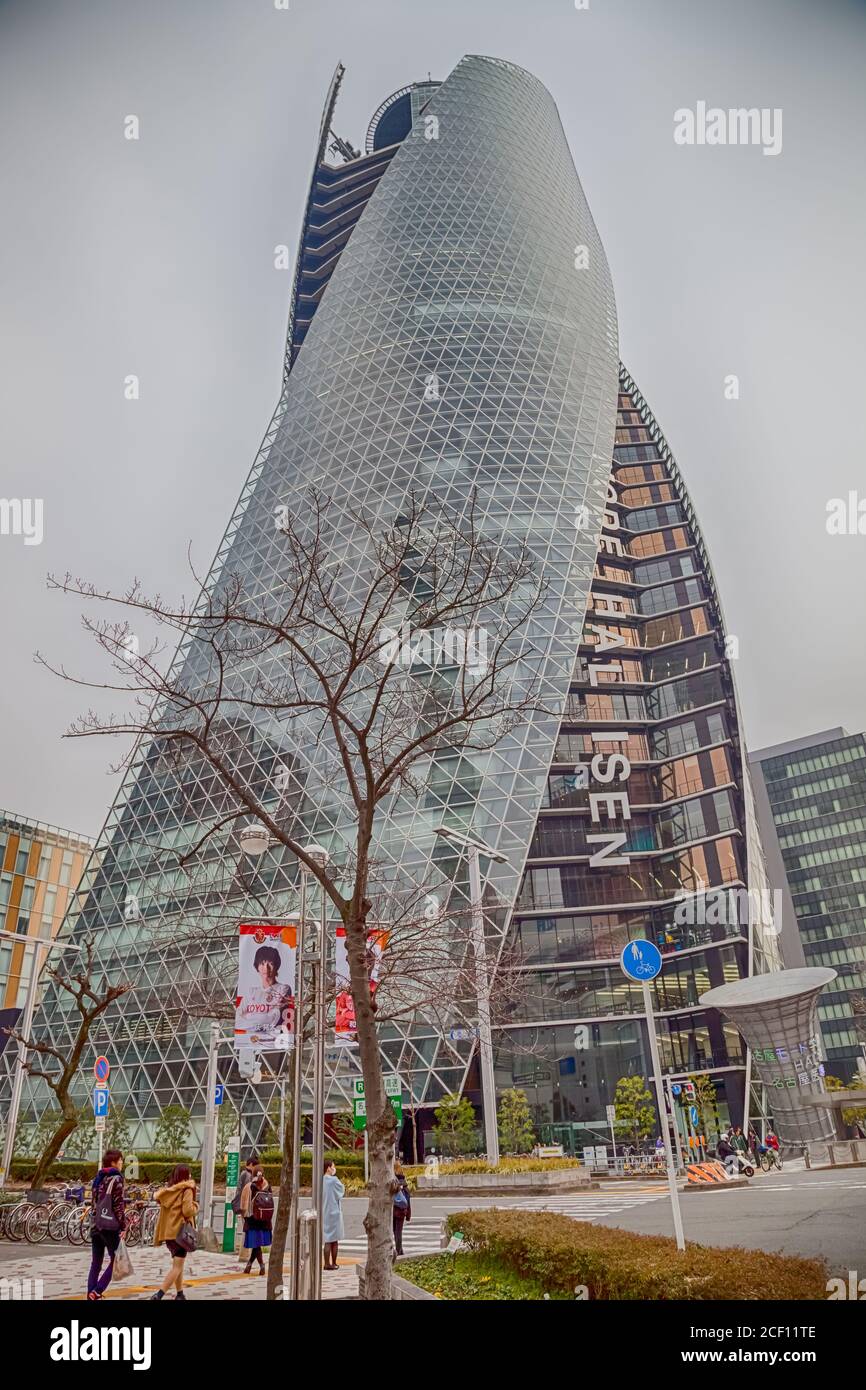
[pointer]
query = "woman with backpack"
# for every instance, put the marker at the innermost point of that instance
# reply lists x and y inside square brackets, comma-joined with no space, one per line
[175,1227]
[401,1205]
[107,1222]
[257,1209]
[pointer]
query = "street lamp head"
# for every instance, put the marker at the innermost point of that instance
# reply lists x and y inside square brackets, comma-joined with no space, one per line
[318,854]
[254,839]
[469,842]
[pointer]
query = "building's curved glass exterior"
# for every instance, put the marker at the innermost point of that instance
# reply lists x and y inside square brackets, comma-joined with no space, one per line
[464,252]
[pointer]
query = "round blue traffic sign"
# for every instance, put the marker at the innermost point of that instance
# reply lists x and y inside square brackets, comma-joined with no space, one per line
[101,1068]
[641,960]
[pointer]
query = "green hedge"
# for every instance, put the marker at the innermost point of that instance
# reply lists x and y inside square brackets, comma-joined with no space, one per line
[158,1168]
[560,1253]
[505,1165]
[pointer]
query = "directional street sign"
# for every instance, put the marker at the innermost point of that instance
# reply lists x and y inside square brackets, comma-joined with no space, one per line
[462,1034]
[100,1102]
[641,961]
[693,1115]
[219,1092]
[101,1069]
[676,1090]
[393,1090]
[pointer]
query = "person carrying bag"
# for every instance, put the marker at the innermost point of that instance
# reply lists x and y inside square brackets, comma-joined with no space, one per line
[175,1228]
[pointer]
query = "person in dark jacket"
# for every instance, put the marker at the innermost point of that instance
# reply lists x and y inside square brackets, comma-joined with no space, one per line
[401,1205]
[105,1234]
[726,1153]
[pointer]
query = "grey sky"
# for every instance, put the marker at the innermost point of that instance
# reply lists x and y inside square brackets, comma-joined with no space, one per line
[155,257]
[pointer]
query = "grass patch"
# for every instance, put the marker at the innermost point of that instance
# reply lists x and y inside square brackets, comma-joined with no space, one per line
[473,1277]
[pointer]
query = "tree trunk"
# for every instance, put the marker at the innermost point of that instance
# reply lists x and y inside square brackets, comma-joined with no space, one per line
[67,1126]
[281,1219]
[381,1121]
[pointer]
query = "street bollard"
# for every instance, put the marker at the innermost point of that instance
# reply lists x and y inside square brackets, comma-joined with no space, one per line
[309,1254]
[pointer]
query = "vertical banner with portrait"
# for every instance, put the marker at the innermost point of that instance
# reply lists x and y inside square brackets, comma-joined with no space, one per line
[345,1030]
[265,998]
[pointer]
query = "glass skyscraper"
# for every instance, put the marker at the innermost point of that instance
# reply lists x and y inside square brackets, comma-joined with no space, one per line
[811,797]
[453,336]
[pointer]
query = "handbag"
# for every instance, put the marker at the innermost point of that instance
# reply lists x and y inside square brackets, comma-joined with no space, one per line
[122,1263]
[186,1237]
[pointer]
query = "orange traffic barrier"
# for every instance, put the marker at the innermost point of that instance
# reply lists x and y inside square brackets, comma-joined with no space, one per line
[711,1171]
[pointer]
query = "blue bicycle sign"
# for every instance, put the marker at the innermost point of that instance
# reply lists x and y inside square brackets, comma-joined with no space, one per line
[641,960]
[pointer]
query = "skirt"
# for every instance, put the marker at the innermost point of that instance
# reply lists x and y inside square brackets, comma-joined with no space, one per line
[253,1240]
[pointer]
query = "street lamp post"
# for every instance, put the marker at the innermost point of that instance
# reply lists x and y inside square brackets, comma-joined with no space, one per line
[26,1025]
[255,840]
[474,850]
[208,1156]
[298,1082]
[320,856]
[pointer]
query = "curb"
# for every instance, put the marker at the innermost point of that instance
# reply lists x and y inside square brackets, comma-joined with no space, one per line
[717,1186]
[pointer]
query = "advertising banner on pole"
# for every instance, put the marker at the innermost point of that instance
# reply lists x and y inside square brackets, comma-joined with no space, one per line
[344,1025]
[264,1000]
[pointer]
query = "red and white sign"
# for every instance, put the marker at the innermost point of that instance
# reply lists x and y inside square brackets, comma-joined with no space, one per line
[101,1069]
[265,997]
[345,1028]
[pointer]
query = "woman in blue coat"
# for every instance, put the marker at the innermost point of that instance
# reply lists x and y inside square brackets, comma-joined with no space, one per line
[333,1193]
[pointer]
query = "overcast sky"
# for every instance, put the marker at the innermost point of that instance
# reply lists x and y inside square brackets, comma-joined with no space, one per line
[155,257]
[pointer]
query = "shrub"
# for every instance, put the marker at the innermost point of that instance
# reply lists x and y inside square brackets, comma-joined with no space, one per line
[345,1159]
[560,1253]
[516,1133]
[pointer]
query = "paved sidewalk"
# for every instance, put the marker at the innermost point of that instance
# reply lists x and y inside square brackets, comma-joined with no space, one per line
[207,1276]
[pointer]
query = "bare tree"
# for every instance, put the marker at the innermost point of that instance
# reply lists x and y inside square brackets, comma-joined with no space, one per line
[371,663]
[90,1002]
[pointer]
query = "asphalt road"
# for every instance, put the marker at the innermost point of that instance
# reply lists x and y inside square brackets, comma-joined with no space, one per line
[797,1213]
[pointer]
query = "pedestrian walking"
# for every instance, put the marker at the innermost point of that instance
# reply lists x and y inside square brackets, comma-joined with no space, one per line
[333,1193]
[177,1213]
[107,1222]
[244,1179]
[257,1209]
[401,1205]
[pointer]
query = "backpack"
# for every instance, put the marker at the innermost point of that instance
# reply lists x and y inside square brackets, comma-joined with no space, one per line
[263,1207]
[401,1201]
[236,1200]
[104,1217]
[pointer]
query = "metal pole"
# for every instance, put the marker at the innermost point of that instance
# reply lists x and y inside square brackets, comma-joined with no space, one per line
[297,1087]
[674,1108]
[319,1093]
[660,1099]
[18,1080]
[208,1153]
[482,986]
